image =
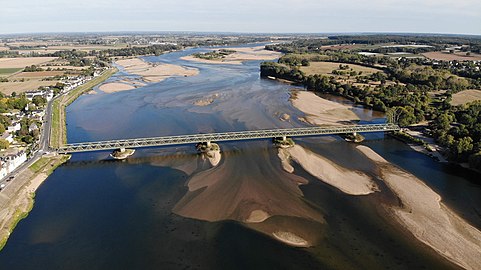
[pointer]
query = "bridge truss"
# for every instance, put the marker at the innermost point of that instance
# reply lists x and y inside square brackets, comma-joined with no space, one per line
[224,136]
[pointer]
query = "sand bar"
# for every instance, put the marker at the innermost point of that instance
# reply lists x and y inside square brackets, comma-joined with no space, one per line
[321,111]
[115,87]
[350,182]
[241,55]
[427,218]
[155,72]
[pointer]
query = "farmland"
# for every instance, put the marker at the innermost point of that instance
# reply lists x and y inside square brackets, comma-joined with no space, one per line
[326,68]
[458,56]
[466,96]
[21,62]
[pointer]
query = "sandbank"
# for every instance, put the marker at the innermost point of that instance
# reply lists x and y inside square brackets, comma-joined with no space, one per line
[290,239]
[350,182]
[321,111]
[115,87]
[257,216]
[427,218]
[155,72]
[241,55]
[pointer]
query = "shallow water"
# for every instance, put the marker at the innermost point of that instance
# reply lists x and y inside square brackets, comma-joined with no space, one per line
[95,213]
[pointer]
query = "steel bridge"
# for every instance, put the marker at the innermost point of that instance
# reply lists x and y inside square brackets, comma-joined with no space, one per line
[224,136]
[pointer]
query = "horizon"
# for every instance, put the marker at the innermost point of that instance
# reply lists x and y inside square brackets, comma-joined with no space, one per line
[282,17]
[186,32]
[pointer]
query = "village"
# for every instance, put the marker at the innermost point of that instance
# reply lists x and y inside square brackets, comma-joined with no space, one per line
[22,127]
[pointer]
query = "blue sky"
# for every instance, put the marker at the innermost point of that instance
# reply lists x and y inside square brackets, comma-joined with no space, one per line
[426,16]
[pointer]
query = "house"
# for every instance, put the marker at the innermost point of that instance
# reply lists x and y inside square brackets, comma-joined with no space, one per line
[7,136]
[10,161]
[31,95]
[32,127]
[14,127]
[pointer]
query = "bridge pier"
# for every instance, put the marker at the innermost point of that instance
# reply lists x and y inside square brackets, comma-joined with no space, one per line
[208,143]
[284,138]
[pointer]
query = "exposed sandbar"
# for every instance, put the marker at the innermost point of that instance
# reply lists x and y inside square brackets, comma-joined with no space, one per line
[115,87]
[321,111]
[242,54]
[350,182]
[290,239]
[225,192]
[427,218]
[155,72]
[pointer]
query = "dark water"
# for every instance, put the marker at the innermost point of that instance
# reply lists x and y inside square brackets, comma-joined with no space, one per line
[95,213]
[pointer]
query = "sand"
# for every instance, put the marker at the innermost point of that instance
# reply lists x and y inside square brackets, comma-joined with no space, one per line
[241,55]
[349,182]
[206,101]
[155,72]
[284,156]
[257,216]
[115,87]
[290,239]
[321,111]
[224,192]
[427,218]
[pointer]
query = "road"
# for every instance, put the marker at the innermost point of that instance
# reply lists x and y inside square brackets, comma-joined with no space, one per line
[43,144]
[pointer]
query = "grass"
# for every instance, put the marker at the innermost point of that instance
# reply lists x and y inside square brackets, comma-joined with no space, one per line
[39,165]
[465,97]
[8,71]
[58,134]
[326,68]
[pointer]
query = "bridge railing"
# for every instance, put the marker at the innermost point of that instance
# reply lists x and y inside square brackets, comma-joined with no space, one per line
[223,136]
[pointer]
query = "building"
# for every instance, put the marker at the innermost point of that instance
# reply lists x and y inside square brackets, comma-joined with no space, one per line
[7,136]
[9,162]
[14,127]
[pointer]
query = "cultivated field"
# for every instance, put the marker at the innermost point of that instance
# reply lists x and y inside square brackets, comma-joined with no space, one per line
[466,96]
[8,88]
[22,62]
[326,68]
[8,71]
[446,56]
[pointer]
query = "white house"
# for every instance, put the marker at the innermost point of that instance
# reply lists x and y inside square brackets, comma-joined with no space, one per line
[10,162]
[14,127]
[7,136]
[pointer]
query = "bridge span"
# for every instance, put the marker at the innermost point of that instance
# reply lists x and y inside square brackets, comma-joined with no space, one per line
[224,136]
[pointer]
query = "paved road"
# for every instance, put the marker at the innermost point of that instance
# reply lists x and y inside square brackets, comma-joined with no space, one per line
[43,144]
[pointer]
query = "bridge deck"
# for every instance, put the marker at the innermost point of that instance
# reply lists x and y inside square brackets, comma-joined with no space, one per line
[223,136]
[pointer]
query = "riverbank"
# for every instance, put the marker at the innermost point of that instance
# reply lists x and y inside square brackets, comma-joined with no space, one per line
[17,199]
[58,132]
[240,55]
[422,212]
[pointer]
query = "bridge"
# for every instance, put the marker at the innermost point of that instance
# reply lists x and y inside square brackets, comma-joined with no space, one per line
[224,136]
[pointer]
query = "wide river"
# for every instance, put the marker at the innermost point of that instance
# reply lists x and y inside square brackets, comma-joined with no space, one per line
[97,213]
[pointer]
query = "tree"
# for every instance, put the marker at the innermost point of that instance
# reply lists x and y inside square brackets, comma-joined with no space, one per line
[39,100]
[4,144]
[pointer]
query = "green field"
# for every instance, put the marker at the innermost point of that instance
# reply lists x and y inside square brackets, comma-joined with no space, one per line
[326,68]
[8,71]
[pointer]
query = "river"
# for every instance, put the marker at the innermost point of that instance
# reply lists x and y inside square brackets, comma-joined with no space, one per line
[98,213]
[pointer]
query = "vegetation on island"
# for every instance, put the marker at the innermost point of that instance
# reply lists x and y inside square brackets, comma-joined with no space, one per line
[214,55]
[417,89]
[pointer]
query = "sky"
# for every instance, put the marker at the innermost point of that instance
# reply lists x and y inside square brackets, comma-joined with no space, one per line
[255,16]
